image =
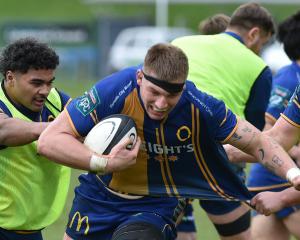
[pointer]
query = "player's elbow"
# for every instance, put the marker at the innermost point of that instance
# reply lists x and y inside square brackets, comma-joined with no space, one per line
[42,145]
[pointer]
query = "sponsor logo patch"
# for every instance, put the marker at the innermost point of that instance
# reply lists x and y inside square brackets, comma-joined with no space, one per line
[87,103]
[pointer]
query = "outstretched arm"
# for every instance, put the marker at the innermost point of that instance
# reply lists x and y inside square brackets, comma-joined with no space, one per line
[270,202]
[268,152]
[16,132]
[283,132]
[60,144]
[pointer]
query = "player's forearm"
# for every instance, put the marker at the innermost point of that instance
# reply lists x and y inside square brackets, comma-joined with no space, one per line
[65,149]
[273,156]
[16,132]
[290,197]
[237,156]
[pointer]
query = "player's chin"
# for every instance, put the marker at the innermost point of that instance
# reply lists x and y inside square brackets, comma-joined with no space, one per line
[36,108]
[157,115]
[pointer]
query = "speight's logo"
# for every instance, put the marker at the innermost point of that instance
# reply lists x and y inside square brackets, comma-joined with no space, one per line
[79,222]
[183,133]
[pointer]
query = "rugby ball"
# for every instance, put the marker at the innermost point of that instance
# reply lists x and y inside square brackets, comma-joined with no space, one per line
[109,132]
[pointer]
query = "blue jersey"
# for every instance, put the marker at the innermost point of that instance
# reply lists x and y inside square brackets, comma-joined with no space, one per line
[284,85]
[180,156]
[292,113]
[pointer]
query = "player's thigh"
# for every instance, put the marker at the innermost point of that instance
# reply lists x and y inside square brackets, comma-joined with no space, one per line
[230,212]
[292,223]
[268,228]
[231,219]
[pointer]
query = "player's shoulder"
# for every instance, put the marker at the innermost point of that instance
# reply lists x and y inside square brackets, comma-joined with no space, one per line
[202,100]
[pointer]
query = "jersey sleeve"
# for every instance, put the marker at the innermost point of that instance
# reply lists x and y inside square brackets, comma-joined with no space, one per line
[223,119]
[283,88]
[292,112]
[105,98]
[227,126]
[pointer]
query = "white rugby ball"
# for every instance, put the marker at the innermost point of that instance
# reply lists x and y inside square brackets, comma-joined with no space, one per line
[109,132]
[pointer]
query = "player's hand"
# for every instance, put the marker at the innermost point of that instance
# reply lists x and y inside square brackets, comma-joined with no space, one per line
[296,182]
[267,203]
[120,157]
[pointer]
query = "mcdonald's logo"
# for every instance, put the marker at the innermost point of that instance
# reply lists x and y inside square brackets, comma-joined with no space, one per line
[79,223]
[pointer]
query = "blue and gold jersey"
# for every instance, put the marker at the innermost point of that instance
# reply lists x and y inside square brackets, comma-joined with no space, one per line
[180,156]
[284,85]
[292,113]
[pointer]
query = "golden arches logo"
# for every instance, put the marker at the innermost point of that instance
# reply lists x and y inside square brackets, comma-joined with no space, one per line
[183,133]
[80,220]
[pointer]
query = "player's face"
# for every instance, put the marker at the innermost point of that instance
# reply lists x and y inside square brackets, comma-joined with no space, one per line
[30,89]
[157,102]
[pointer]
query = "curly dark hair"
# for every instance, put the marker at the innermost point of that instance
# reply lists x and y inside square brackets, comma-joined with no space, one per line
[289,35]
[25,54]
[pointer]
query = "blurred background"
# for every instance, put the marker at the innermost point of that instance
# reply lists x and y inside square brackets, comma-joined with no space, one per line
[96,37]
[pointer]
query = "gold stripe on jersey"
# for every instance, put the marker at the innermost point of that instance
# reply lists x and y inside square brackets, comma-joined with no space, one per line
[296,102]
[271,187]
[289,120]
[199,156]
[138,172]
[231,133]
[162,167]
[225,117]
[94,116]
[72,124]
[166,161]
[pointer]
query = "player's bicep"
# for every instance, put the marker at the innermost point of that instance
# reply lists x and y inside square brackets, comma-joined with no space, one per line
[61,125]
[245,136]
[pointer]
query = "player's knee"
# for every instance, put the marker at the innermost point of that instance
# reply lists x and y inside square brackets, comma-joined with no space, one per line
[236,227]
[66,237]
[138,231]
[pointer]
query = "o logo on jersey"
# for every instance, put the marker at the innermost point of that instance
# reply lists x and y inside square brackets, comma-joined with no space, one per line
[51,118]
[183,133]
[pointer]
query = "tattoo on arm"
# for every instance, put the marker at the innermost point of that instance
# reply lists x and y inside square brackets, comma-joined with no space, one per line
[262,154]
[246,129]
[276,160]
[236,137]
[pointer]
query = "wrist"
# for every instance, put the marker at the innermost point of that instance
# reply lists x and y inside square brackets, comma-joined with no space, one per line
[292,173]
[98,164]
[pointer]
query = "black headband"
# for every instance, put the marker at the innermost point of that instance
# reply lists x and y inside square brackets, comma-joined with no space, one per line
[167,86]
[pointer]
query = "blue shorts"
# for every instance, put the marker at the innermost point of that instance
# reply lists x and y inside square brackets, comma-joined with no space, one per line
[261,179]
[20,235]
[96,212]
[187,223]
[216,207]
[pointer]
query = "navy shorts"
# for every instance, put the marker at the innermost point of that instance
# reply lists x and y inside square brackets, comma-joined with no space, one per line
[96,212]
[20,235]
[187,223]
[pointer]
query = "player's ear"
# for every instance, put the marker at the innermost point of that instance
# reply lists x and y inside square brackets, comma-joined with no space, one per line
[254,34]
[10,77]
[139,76]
